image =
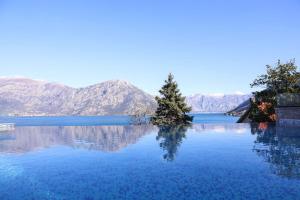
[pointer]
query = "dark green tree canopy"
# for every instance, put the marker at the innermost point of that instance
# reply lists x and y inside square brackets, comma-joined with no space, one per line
[280,79]
[283,78]
[171,108]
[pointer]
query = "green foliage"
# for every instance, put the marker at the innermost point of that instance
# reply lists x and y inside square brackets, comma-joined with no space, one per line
[171,108]
[280,79]
[283,78]
[263,107]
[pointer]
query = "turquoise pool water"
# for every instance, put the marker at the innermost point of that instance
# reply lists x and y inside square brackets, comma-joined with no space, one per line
[205,161]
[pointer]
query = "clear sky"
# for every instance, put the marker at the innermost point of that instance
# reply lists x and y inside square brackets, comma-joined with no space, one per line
[212,46]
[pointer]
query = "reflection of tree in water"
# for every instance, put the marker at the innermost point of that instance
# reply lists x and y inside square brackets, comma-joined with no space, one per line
[278,147]
[170,138]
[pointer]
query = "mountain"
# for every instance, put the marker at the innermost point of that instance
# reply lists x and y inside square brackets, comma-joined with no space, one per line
[27,97]
[240,109]
[215,103]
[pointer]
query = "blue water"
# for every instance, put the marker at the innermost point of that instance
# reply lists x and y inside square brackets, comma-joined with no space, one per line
[101,120]
[205,161]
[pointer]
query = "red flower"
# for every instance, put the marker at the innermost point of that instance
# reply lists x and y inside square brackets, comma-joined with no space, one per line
[263,126]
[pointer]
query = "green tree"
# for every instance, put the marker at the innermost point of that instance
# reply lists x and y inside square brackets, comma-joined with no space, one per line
[280,79]
[172,109]
[263,107]
[283,78]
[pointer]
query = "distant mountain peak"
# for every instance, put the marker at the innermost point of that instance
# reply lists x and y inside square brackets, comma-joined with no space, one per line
[216,94]
[237,93]
[29,97]
[24,96]
[215,102]
[117,82]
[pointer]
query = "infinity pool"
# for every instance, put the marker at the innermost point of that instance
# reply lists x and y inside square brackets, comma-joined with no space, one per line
[205,161]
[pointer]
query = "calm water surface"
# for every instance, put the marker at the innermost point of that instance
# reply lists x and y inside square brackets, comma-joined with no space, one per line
[102,120]
[213,160]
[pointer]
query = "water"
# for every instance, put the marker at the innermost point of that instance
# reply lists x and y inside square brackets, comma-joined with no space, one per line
[205,161]
[102,120]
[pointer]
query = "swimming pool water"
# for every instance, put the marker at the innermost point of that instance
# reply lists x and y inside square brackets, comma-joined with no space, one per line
[205,161]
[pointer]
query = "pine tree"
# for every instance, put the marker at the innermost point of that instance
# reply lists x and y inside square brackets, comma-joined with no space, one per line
[171,108]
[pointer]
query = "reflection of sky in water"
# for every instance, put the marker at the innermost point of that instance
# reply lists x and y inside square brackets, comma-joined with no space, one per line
[206,161]
[221,128]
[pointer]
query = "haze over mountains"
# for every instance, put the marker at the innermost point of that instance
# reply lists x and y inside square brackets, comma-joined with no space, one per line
[216,103]
[27,97]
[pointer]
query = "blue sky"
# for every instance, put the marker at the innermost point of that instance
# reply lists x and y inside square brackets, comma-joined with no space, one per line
[212,46]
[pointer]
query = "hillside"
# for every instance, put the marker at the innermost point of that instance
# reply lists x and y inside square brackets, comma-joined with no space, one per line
[215,103]
[240,109]
[27,97]
[21,96]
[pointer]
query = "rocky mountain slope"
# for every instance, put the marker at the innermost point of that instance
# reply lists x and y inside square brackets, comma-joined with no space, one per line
[240,109]
[27,97]
[215,103]
[21,96]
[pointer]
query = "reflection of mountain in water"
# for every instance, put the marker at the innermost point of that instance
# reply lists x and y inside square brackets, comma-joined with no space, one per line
[103,138]
[280,147]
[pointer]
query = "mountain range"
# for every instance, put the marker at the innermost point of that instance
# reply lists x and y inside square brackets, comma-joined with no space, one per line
[216,103]
[27,97]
